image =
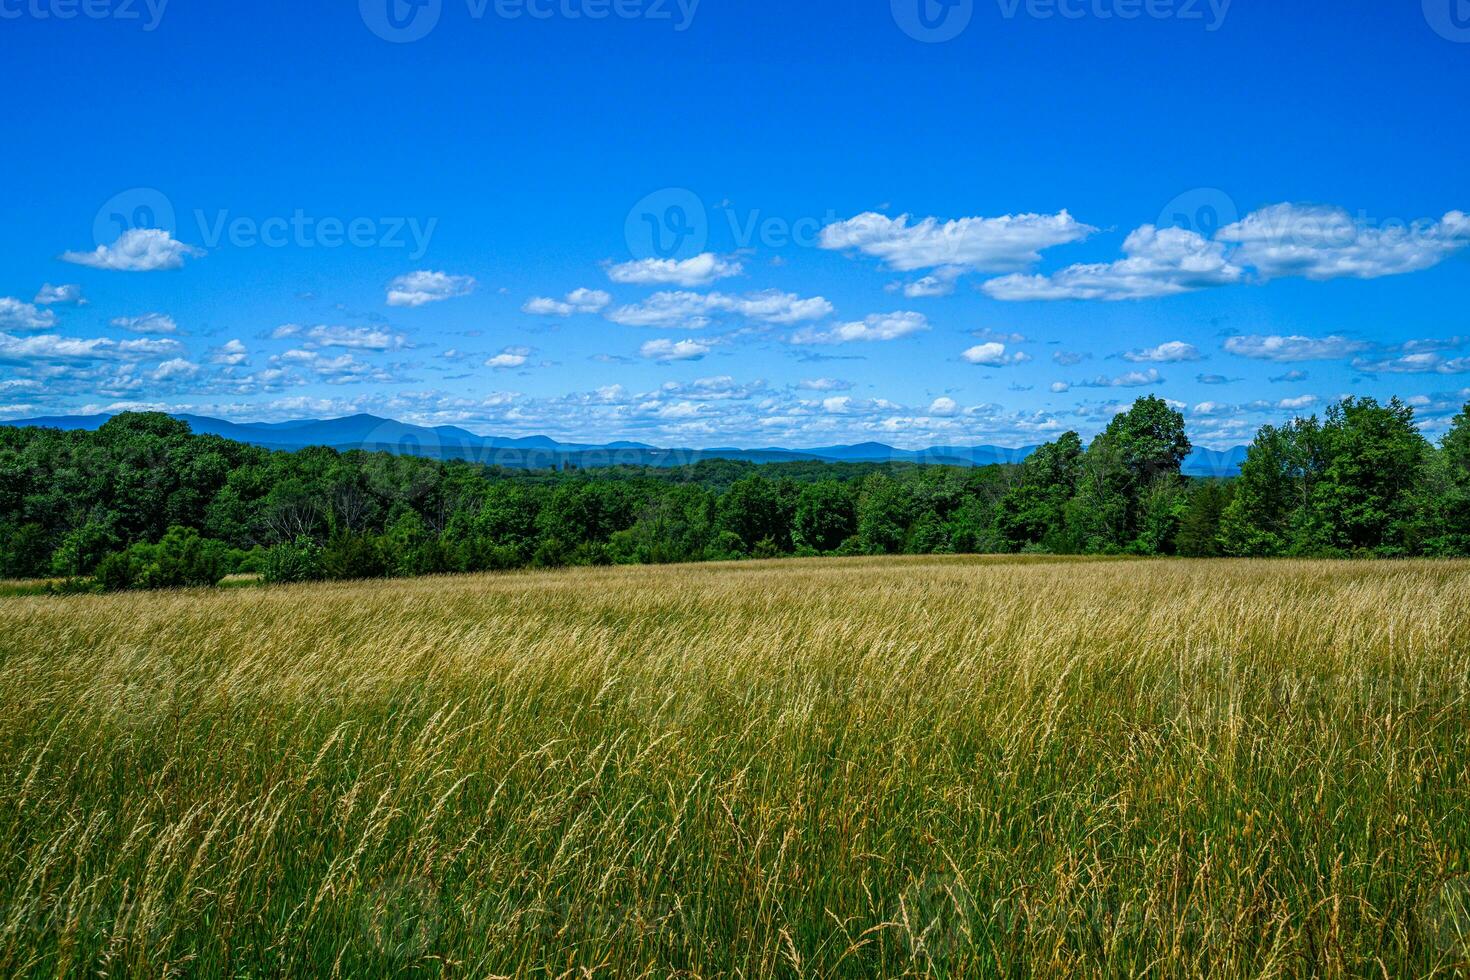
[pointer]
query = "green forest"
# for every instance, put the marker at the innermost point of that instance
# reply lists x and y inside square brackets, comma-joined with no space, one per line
[144,503]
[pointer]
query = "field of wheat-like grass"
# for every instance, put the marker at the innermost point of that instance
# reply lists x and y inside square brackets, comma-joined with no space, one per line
[959,767]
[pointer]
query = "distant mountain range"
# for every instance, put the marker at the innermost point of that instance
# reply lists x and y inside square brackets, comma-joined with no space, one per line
[537,452]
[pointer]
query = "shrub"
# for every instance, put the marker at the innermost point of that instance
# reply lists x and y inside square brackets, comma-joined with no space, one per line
[294,561]
[180,560]
[353,556]
[82,549]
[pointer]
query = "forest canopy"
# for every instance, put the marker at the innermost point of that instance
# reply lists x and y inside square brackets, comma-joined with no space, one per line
[143,502]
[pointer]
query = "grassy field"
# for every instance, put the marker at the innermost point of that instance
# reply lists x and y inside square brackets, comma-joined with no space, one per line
[810,768]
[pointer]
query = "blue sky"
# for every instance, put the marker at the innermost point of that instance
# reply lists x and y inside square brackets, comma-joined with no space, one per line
[987,224]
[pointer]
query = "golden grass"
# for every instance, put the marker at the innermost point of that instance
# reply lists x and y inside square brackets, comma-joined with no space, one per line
[808,768]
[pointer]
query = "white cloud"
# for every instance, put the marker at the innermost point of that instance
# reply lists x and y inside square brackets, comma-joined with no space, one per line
[939,283]
[837,404]
[876,327]
[137,250]
[824,384]
[418,288]
[999,244]
[1293,348]
[152,323]
[944,407]
[668,350]
[692,311]
[1067,358]
[994,354]
[231,354]
[1129,379]
[1173,352]
[348,338]
[175,369]
[15,315]
[1323,242]
[510,357]
[65,294]
[1423,362]
[49,347]
[1160,262]
[577,301]
[701,270]
[342,369]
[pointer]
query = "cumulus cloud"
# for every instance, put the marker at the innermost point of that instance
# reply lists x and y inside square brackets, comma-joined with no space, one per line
[1067,358]
[1172,352]
[137,250]
[1412,362]
[418,288]
[577,301]
[1130,379]
[341,369]
[939,283]
[50,347]
[876,327]
[944,407]
[175,369]
[66,294]
[1273,347]
[668,350]
[1001,244]
[152,323]
[15,315]
[230,354]
[701,270]
[1299,402]
[1324,242]
[510,357]
[348,338]
[994,354]
[824,384]
[694,311]
[1159,262]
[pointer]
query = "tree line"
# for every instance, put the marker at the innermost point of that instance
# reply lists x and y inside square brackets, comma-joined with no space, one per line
[144,503]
